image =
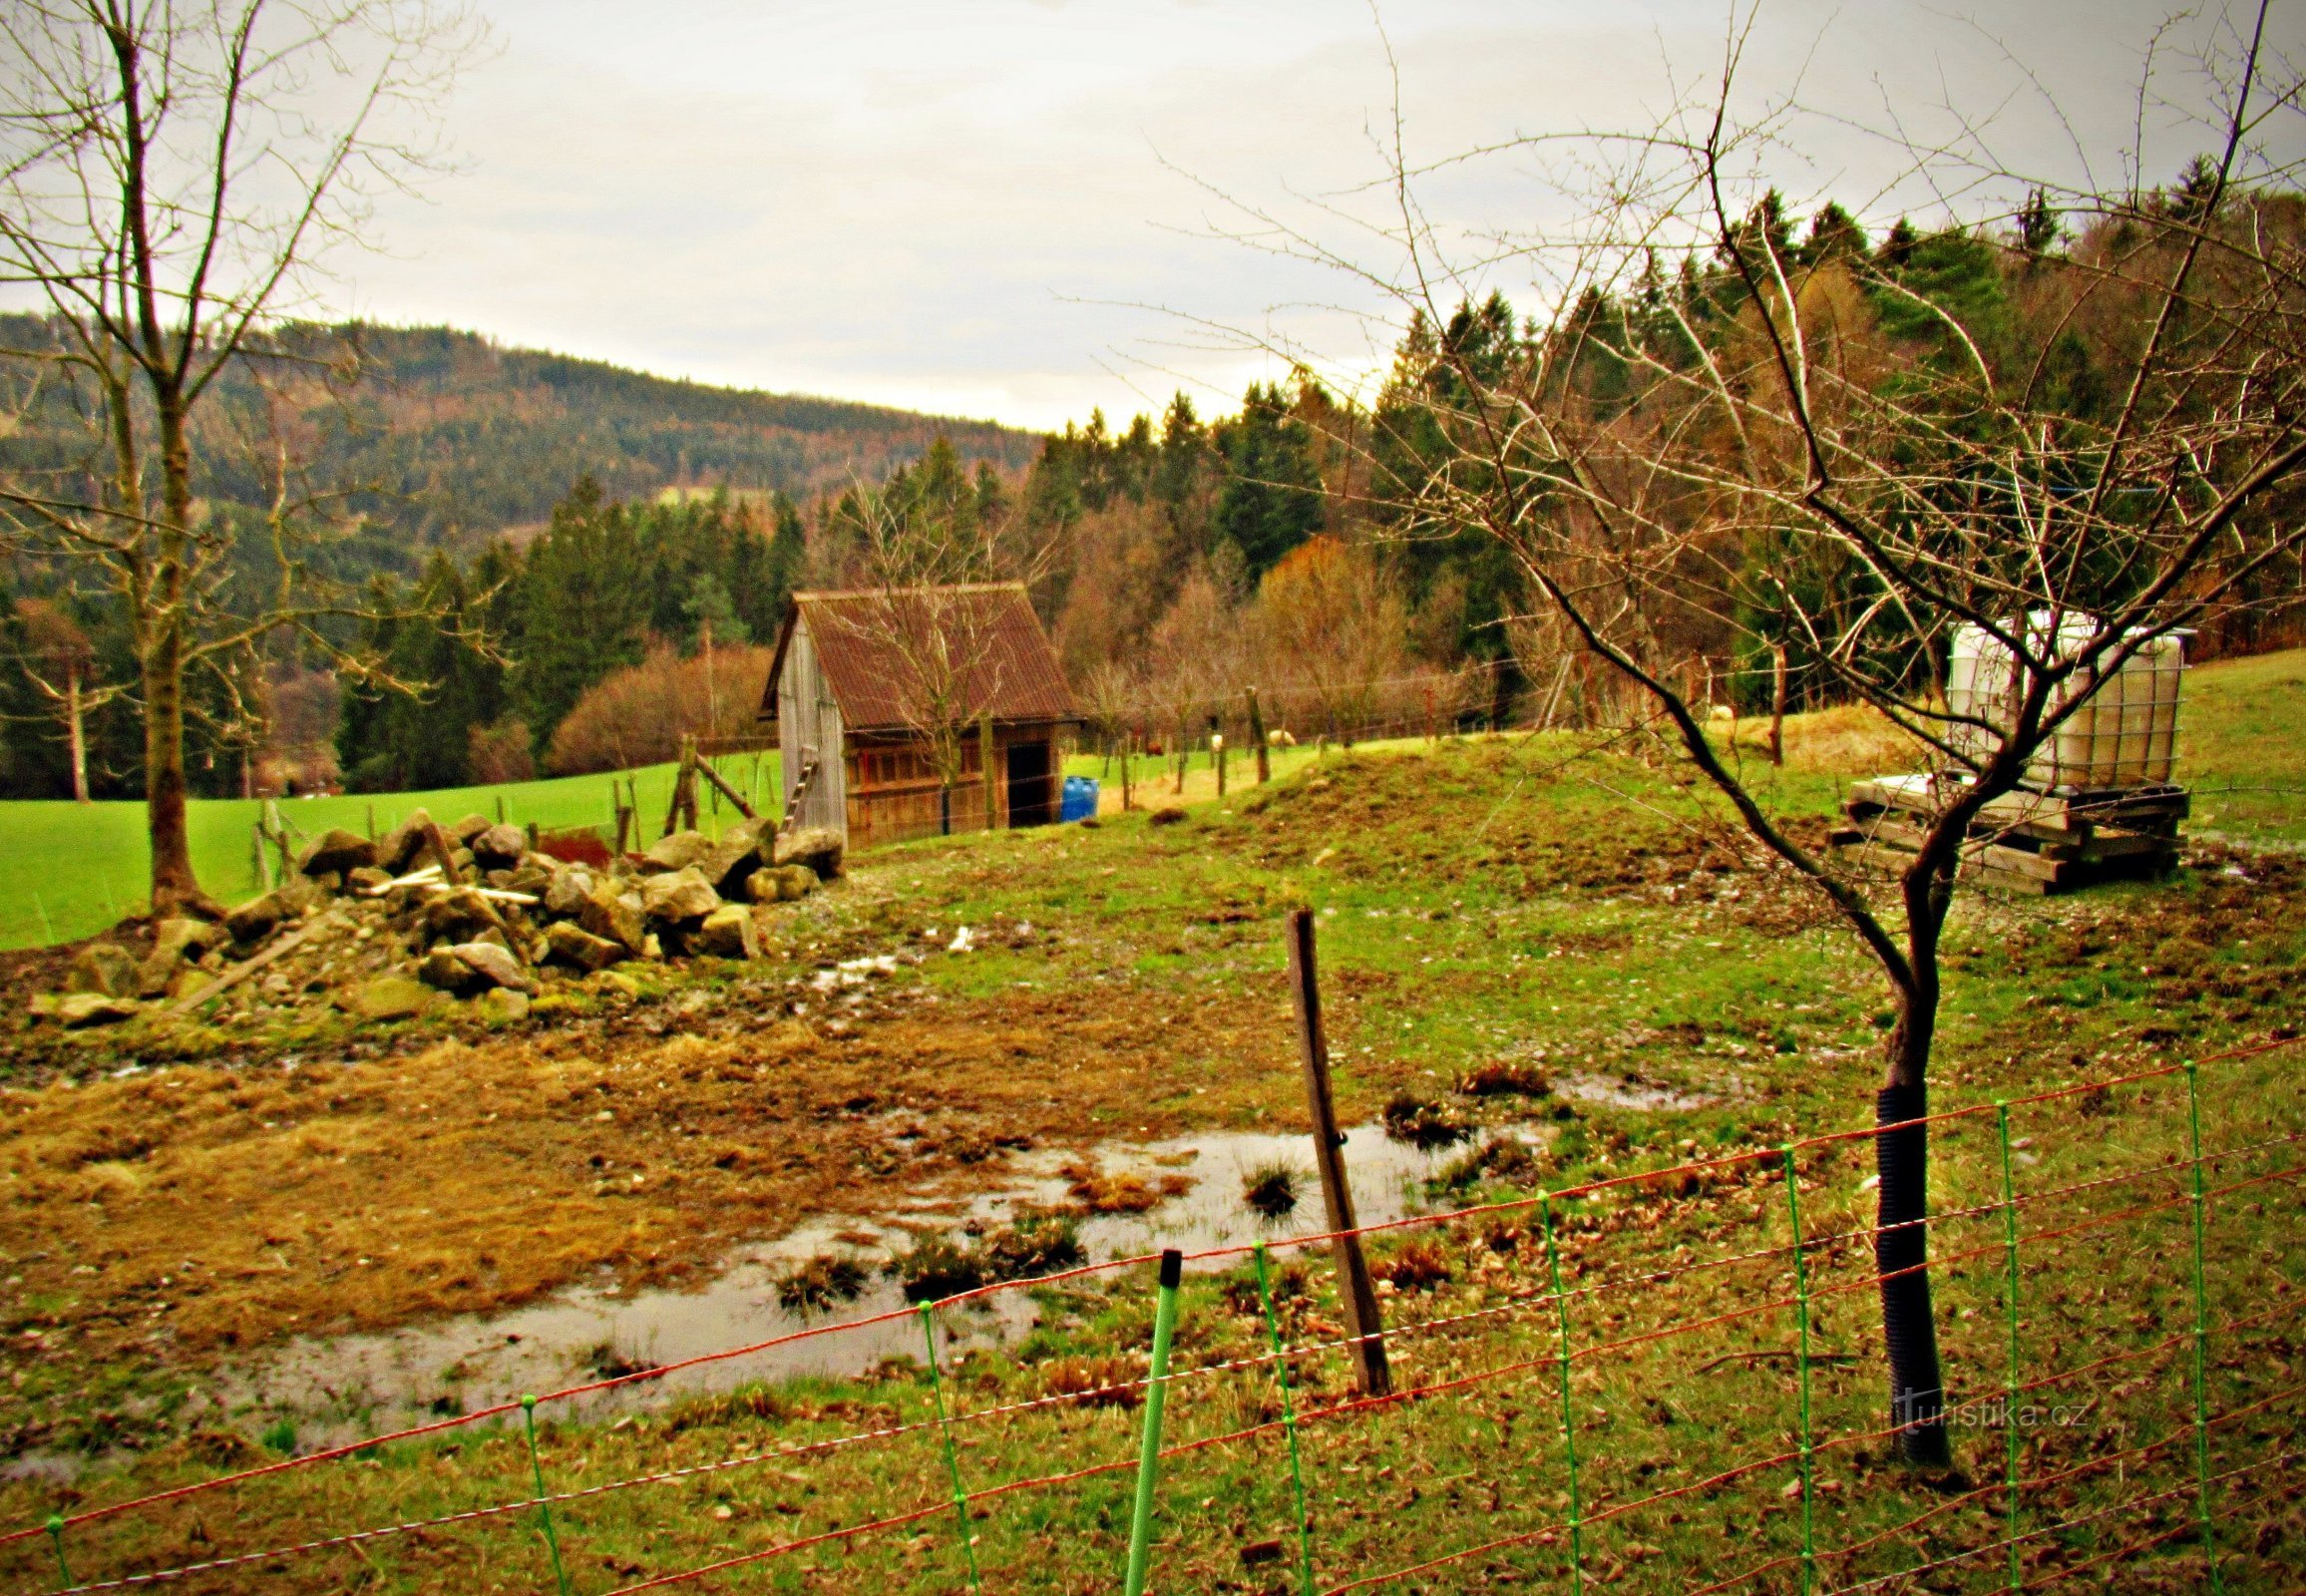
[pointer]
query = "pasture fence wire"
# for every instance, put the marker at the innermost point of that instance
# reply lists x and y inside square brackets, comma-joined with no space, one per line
[1595,1320]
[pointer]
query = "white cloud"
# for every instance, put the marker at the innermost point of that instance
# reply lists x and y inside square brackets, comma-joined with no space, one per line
[956,206]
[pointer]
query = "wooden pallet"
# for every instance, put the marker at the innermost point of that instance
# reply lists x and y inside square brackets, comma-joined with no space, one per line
[2027,842]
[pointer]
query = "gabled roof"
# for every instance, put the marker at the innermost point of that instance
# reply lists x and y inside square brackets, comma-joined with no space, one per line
[875,646]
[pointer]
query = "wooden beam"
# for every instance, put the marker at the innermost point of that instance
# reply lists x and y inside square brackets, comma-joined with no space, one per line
[705,769]
[241,971]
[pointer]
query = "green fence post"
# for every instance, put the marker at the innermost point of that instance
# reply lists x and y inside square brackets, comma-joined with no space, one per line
[1801,1308]
[1568,1420]
[1297,1476]
[543,1507]
[2202,1330]
[952,1458]
[56,1538]
[2009,1382]
[1149,1448]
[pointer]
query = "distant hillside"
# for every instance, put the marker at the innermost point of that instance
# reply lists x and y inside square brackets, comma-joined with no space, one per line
[448,438]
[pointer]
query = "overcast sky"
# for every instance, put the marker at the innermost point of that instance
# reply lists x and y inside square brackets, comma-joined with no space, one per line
[966,206]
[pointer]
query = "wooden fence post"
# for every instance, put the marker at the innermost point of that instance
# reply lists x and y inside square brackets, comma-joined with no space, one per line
[984,752]
[1128,742]
[1257,738]
[1358,1297]
[1778,703]
[1217,757]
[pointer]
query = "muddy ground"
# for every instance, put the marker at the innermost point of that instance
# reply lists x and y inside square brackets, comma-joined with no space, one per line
[169,1215]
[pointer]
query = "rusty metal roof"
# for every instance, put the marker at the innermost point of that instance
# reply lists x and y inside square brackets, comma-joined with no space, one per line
[892,653]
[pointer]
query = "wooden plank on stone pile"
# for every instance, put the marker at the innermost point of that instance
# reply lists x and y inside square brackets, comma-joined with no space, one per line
[232,977]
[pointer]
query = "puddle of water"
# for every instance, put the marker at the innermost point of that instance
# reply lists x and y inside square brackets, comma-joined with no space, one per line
[341,1389]
[1647,1096]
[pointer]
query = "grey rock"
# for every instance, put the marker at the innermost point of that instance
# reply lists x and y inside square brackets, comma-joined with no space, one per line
[760,887]
[678,897]
[817,846]
[386,998]
[458,915]
[500,847]
[443,970]
[503,1005]
[465,830]
[677,852]
[795,881]
[570,943]
[335,851]
[399,848]
[733,857]
[103,968]
[76,1009]
[367,879]
[608,913]
[566,893]
[495,963]
[258,918]
[184,938]
[727,933]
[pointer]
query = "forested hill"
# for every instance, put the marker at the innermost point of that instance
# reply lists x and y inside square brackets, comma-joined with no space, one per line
[449,438]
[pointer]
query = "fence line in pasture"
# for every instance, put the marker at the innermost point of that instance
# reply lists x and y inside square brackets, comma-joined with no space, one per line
[1536,1419]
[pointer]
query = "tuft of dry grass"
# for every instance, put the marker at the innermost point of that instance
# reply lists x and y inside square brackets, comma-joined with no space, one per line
[1095,1191]
[1849,740]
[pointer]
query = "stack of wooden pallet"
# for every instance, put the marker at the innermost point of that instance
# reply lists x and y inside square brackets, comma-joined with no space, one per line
[2028,842]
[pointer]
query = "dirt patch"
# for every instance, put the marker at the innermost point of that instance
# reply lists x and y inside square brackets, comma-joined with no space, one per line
[179,1214]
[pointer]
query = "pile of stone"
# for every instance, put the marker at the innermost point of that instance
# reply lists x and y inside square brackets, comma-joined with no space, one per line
[386,927]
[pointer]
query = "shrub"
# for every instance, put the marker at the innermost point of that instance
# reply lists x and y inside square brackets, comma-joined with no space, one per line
[1421,1124]
[820,1282]
[1500,1157]
[936,1267]
[1039,1244]
[1504,1080]
[1419,1266]
[499,754]
[1272,1189]
[637,715]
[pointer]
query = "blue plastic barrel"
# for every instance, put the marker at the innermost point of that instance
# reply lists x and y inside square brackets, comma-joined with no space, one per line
[1080,800]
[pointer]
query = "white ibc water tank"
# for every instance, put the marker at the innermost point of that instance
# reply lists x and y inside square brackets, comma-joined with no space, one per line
[2122,735]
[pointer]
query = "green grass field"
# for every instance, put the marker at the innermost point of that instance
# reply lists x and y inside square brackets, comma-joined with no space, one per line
[68,871]
[1495,901]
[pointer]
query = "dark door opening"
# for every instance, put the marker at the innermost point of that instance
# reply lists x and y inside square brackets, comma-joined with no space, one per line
[1032,787]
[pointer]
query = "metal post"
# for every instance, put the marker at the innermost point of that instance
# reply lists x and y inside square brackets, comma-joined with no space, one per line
[55,1528]
[1297,1476]
[1149,1447]
[1802,1304]
[1354,1291]
[2010,1380]
[543,1508]
[2202,1334]
[1568,1416]
[952,1459]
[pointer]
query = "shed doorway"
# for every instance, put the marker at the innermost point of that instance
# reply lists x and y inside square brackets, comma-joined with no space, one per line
[1033,794]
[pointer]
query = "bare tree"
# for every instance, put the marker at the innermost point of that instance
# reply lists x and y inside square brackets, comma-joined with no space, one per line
[932,560]
[169,175]
[1334,629]
[61,665]
[1809,446]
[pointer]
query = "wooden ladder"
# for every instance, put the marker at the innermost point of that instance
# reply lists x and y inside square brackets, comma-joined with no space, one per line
[793,803]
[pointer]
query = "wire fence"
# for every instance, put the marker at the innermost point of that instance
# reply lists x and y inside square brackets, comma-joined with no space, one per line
[1661,1379]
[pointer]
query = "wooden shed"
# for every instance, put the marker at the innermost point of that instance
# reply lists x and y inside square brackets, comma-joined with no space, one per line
[866,685]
